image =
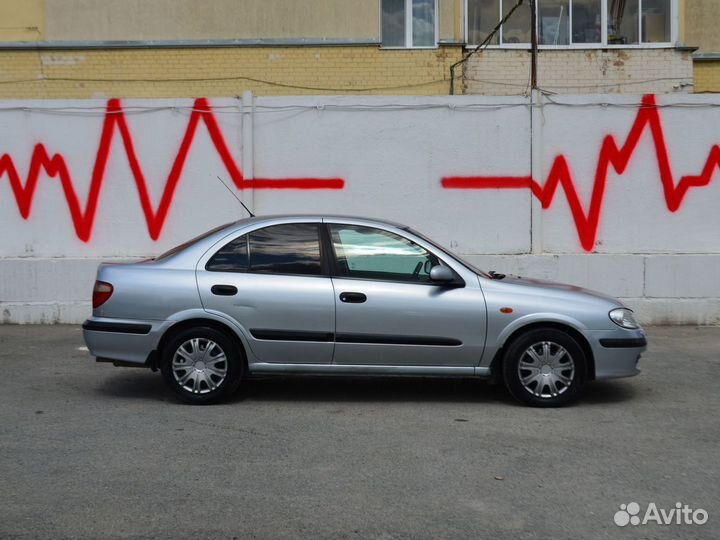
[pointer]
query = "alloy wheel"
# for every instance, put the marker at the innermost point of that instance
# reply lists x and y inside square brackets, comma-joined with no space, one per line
[199,366]
[546,369]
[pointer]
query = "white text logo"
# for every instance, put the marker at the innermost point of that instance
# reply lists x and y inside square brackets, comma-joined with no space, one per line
[680,514]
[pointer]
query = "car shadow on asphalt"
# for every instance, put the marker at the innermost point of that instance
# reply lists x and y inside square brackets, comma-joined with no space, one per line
[136,384]
[368,389]
[144,385]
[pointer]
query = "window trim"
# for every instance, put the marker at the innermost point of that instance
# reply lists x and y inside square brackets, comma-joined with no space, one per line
[325,264]
[329,264]
[673,43]
[409,29]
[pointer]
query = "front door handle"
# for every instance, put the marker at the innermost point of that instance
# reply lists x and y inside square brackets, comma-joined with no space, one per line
[224,290]
[352,297]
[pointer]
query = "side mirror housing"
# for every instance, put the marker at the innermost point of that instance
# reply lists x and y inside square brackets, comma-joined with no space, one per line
[442,275]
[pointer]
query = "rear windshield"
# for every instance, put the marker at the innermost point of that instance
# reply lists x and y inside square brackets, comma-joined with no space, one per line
[185,245]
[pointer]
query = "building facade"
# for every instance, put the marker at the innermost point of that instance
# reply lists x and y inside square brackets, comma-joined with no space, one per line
[178,48]
[700,24]
[585,46]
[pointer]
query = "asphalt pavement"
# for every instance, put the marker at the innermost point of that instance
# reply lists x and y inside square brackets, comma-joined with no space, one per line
[92,451]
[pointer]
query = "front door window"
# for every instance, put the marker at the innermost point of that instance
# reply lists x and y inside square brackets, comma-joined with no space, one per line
[369,253]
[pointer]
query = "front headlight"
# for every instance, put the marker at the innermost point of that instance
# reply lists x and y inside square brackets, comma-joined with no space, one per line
[624,317]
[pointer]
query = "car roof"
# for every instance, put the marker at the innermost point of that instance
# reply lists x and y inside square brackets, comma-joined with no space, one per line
[324,217]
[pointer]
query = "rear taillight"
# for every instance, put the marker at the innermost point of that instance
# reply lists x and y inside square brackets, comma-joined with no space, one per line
[101,293]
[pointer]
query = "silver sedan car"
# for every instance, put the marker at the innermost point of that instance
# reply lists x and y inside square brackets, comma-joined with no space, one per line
[329,295]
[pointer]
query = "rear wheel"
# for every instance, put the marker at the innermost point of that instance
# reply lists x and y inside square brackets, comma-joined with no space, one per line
[201,365]
[545,367]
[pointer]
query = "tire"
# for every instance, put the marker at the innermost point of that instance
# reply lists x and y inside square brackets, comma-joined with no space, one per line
[545,367]
[215,365]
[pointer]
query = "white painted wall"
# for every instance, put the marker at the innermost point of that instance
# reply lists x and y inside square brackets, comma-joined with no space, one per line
[392,153]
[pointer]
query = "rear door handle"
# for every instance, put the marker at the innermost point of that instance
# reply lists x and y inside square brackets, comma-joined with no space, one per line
[224,290]
[352,297]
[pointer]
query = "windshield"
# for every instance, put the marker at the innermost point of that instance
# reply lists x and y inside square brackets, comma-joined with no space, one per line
[185,245]
[458,258]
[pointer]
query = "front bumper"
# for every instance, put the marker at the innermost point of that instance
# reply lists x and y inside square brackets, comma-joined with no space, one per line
[617,352]
[128,342]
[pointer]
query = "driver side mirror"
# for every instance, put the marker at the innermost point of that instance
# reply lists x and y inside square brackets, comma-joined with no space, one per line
[442,275]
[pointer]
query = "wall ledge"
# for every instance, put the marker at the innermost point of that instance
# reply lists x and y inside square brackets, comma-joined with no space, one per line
[187,44]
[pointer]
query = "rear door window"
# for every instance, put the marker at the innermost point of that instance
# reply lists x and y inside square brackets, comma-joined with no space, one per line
[292,248]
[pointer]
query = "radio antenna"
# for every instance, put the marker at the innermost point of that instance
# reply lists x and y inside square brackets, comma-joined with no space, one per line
[236,197]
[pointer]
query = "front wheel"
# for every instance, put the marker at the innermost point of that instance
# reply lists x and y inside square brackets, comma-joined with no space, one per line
[201,365]
[545,367]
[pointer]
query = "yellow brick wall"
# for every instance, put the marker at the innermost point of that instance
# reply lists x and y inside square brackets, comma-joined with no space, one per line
[634,71]
[157,73]
[707,76]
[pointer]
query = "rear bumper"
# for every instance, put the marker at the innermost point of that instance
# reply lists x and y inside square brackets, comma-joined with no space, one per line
[617,352]
[127,342]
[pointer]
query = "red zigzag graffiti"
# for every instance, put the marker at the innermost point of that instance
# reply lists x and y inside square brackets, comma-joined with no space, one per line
[610,155]
[115,120]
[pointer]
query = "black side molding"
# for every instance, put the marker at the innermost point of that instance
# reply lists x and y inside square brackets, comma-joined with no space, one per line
[291,335]
[389,339]
[326,337]
[120,328]
[623,343]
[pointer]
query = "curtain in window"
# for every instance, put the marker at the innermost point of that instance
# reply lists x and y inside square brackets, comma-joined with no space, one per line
[615,13]
[623,22]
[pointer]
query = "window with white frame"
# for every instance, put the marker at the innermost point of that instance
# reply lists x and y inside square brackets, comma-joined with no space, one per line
[409,23]
[579,23]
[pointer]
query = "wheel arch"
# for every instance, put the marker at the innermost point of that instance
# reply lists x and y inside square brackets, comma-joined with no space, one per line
[497,360]
[194,322]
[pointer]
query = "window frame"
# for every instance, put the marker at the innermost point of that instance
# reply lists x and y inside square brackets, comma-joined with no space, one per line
[325,264]
[409,29]
[674,15]
[329,263]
